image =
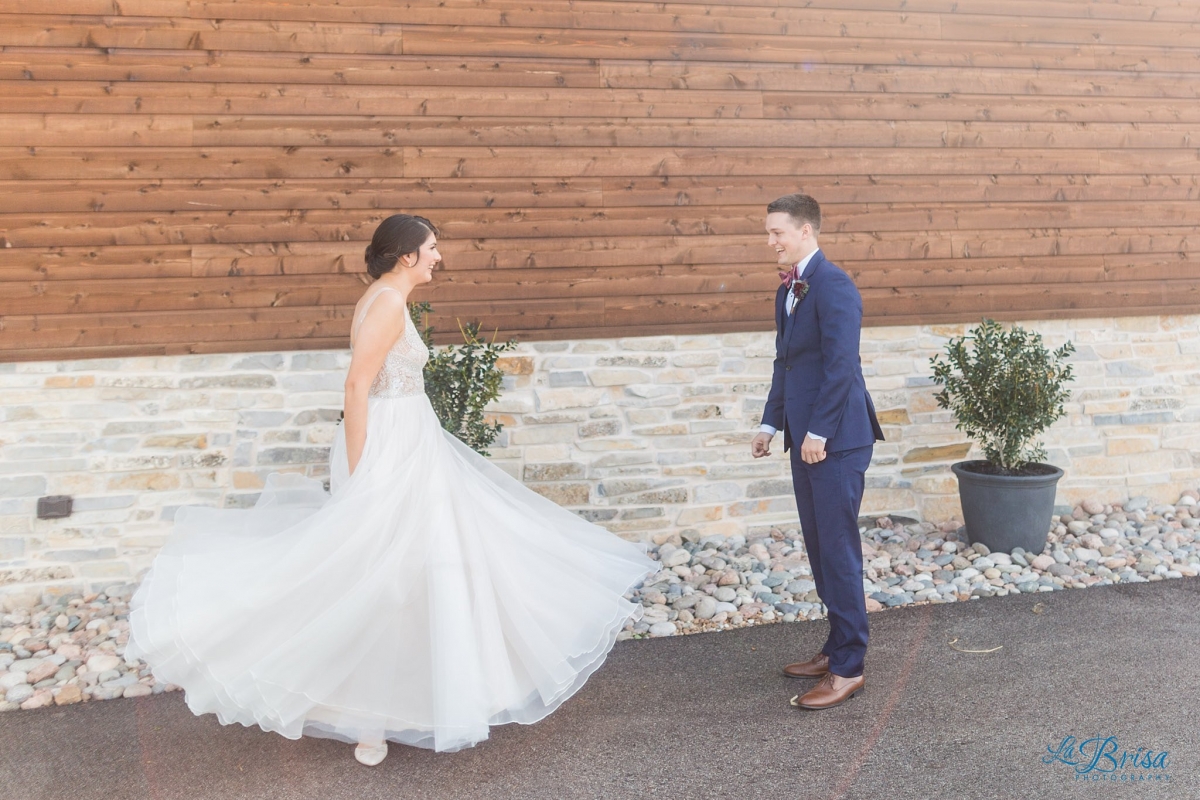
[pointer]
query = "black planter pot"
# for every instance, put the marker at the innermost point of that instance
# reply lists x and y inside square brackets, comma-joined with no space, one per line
[1005,512]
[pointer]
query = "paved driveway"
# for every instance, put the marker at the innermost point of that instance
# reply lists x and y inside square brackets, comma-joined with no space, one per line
[708,716]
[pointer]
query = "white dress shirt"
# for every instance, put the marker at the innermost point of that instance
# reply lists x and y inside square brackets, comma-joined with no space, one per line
[787,305]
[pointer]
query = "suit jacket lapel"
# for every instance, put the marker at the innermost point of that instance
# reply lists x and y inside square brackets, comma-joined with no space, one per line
[809,273]
[780,314]
[813,267]
[790,324]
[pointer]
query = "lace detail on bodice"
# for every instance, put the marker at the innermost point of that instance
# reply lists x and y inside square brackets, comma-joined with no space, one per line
[402,373]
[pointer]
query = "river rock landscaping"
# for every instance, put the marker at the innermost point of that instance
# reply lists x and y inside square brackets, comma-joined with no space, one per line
[69,649]
[715,583]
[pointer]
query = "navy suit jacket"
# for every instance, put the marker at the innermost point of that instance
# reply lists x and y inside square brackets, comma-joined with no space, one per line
[817,385]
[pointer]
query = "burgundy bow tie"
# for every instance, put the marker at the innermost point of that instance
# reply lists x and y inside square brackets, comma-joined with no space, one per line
[790,277]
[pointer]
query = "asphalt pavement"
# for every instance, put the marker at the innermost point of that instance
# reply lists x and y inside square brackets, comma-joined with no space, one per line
[1109,669]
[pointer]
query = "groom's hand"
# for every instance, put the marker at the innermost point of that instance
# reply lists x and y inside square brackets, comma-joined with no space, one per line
[760,445]
[812,451]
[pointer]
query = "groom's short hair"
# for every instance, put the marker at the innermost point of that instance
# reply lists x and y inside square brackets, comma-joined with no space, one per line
[800,207]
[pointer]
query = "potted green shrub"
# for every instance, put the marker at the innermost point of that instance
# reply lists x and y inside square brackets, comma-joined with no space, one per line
[1005,388]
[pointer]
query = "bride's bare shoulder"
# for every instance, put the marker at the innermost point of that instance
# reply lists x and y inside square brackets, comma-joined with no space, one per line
[376,292]
[379,310]
[380,297]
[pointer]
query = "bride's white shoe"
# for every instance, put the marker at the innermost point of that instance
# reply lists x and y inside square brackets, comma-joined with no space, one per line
[370,754]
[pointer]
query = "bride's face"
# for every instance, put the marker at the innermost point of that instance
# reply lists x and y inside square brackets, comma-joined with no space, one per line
[428,258]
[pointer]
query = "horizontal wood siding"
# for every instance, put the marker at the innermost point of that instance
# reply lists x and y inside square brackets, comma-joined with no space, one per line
[202,176]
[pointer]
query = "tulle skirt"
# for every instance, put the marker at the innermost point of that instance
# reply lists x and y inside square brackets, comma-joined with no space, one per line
[429,597]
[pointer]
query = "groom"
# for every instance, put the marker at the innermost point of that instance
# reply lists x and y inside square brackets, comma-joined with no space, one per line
[818,393]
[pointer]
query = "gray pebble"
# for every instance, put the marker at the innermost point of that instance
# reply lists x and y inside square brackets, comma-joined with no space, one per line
[801,587]
[659,629]
[1139,503]
[11,679]
[110,692]
[706,608]
[19,693]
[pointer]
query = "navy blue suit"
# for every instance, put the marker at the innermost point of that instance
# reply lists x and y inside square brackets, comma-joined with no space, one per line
[817,387]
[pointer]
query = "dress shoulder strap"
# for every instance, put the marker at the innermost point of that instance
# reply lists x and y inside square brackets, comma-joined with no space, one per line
[362,314]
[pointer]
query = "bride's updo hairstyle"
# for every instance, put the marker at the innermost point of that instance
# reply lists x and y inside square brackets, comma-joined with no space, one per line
[398,235]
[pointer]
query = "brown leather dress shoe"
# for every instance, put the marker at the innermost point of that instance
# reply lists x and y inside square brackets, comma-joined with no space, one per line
[833,690]
[815,667]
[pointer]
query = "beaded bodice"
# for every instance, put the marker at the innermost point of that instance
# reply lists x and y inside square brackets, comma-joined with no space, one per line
[402,373]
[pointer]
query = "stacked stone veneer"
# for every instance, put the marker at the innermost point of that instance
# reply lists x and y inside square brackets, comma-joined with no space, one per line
[646,436]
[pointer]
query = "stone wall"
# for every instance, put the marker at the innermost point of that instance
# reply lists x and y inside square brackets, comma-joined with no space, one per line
[646,436]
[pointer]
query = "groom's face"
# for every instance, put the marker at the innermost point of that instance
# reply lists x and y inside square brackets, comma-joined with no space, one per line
[791,242]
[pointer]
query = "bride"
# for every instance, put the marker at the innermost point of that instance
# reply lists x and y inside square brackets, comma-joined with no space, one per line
[427,598]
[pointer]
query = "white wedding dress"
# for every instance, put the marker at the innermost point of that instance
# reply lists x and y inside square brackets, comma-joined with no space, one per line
[429,597]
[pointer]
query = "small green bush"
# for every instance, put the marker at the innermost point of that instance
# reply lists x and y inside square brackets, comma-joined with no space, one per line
[461,380]
[1005,390]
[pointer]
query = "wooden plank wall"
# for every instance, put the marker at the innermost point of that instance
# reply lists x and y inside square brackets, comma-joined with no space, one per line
[202,175]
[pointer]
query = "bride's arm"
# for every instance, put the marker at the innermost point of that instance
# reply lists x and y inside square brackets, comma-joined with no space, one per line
[380,329]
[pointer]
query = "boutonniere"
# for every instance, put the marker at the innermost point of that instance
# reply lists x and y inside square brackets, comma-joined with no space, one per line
[797,285]
[799,290]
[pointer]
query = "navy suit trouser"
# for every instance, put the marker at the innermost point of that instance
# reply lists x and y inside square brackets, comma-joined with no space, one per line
[828,496]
